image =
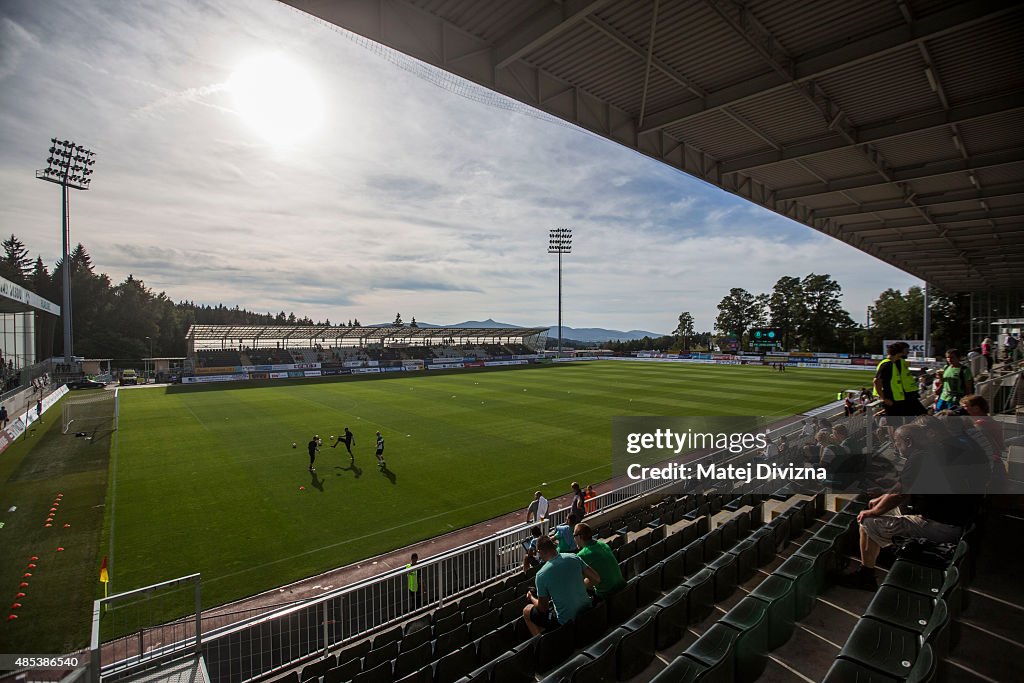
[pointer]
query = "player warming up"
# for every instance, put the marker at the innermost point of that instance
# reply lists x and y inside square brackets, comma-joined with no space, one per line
[381,465]
[348,440]
[314,448]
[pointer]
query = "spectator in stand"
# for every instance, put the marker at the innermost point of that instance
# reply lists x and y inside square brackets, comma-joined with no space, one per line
[807,431]
[986,353]
[957,382]
[530,546]
[889,383]
[977,408]
[412,576]
[563,534]
[600,557]
[588,500]
[1011,348]
[849,407]
[829,448]
[578,506]
[3,417]
[538,508]
[561,594]
[938,517]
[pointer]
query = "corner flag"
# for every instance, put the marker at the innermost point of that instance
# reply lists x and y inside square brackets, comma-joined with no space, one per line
[104,576]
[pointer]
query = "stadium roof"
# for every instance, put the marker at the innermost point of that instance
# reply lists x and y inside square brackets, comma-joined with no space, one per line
[896,126]
[298,333]
[16,299]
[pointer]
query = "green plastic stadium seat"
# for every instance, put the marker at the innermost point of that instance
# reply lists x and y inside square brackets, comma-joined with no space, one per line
[756,516]
[854,507]
[694,556]
[800,570]
[779,595]
[765,539]
[644,542]
[716,648]
[690,533]
[712,544]
[591,624]
[673,570]
[843,519]
[882,646]
[750,618]
[934,583]
[671,621]
[780,527]
[636,649]
[724,568]
[516,666]
[648,585]
[673,542]
[913,612]
[824,557]
[702,595]
[656,553]
[845,671]
[684,669]
[730,534]
[742,525]
[745,553]
[600,669]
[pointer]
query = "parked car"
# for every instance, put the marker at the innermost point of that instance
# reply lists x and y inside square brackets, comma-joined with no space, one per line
[85,383]
[129,377]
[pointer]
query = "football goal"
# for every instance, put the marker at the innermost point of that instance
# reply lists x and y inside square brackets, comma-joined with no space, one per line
[96,411]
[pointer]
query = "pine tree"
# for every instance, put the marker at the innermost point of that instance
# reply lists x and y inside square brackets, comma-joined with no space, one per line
[16,264]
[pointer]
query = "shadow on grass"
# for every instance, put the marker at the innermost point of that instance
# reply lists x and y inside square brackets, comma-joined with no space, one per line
[353,468]
[389,474]
[316,482]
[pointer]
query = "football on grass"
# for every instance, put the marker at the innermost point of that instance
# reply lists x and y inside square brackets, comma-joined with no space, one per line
[293,445]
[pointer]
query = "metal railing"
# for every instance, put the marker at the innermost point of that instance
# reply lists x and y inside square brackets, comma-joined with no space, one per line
[286,636]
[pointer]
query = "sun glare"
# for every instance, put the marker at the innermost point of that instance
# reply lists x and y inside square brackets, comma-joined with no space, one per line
[277,99]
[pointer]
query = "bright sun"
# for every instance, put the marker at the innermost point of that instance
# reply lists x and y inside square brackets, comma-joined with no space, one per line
[277,99]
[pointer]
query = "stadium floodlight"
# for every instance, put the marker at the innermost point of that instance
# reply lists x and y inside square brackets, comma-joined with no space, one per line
[560,242]
[68,165]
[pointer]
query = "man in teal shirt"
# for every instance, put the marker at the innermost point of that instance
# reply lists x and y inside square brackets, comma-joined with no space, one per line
[957,382]
[561,594]
[599,556]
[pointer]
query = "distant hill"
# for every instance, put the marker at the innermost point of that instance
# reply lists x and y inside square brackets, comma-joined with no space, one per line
[581,334]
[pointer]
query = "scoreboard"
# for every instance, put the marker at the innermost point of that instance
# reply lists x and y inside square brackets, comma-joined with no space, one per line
[765,336]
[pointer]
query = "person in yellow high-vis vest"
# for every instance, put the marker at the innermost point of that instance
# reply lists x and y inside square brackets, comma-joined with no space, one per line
[911,390]
[889,382]
[413,578]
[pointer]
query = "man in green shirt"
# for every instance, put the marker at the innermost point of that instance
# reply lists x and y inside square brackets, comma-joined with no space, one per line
[957,382]
[600,557]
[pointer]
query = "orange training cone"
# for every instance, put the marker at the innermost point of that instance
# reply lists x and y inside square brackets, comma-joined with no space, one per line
[16,605]
[34,558]
[31,566]
[23,584]
[12,617]
[20,595]
[27,575]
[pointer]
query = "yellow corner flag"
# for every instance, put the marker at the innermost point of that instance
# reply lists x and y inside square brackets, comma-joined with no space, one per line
[104,576]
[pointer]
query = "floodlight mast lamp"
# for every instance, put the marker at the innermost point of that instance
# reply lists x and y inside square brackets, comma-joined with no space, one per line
[560,242]
[69,165]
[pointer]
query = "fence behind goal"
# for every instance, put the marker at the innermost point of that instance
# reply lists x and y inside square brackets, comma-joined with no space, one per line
[91,412]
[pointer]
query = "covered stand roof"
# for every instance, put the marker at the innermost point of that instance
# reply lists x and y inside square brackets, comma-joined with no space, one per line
[305,333]
[896,126]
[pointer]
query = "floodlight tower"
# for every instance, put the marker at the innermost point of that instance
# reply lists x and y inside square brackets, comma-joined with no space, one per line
[69,165]
[560,242]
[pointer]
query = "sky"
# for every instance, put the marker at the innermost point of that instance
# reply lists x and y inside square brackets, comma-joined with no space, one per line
[249,154]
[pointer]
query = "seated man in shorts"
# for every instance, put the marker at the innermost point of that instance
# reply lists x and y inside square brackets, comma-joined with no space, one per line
[935,462]
[561,594]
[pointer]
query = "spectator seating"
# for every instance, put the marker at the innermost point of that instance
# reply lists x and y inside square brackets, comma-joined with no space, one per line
[218,358]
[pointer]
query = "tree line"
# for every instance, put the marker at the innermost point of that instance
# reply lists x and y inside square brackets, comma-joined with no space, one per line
[121,320]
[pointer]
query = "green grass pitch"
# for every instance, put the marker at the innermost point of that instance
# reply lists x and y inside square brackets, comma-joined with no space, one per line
[205,479]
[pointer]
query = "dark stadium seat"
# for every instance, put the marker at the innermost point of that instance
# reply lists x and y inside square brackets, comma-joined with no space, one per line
[515,666]
[694,556]
[800,570]
[622,603]
[353,652]
[716,650]
[636,564]
[591,624]
[673,542]
[854,507]
[390,636]
[380,673]
[779,595]
[568,672]
[344,672]
[724,568]
[636,649]
[765,539]
[655,553]
[492,644]
[913,612]
[455,665]
[742,525]
[673,617]
[712,544]
[290,677]
[884,647]
[600,669]
[730,533]
[445,611]
[610,643]
[673,569]
[690,533]
[837,537]
[648,585]
[504,595]
[378,655]
[448,623]
[413,659]
[702,595]
[474,610]
[823,556]
[413,639]
[484,623]
[446,643]
[745,553]
[844,671]
[422,675]
[512,610]
[779,527]
[318,668]
[554,645]
[750,618]
[685,669]
[934,583]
